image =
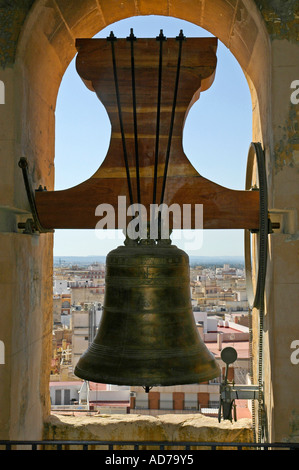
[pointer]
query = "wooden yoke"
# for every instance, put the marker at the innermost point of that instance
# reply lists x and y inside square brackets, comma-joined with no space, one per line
[141,83]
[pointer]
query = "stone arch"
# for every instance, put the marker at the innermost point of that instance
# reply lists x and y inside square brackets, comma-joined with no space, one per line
[45,48]
[52,27]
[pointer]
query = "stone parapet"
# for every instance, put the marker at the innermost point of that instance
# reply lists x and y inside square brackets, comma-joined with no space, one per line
[140,428]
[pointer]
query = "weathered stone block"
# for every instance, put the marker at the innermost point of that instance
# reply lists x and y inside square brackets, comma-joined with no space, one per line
[172,427]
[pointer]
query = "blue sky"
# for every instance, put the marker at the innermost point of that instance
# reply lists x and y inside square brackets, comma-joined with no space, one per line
[217,135]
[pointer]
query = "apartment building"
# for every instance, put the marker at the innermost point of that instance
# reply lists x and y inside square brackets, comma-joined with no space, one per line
[201,398]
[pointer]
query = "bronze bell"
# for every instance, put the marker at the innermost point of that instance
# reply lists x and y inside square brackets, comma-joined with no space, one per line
[147,335]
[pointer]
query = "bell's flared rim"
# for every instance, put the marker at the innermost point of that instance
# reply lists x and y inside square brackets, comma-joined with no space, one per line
[157,381]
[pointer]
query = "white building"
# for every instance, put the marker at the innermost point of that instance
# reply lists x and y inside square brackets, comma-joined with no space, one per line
[209,323]
[81,395]
[61,286]
[84,325]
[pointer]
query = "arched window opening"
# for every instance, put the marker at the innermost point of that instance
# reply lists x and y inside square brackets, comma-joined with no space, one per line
[217,134]
[216,137]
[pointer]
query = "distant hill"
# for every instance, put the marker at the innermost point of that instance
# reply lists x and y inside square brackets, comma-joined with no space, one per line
[194,260]
[66,260]
[216,260]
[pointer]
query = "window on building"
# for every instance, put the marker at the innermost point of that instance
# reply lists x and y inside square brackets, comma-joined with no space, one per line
[166,401]
[67,397]
[57,397]
[191,401]
[141,401]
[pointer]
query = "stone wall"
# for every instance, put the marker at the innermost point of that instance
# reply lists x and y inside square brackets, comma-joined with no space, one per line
[186,428]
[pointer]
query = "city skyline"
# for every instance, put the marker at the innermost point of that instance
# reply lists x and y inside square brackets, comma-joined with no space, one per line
[217,136]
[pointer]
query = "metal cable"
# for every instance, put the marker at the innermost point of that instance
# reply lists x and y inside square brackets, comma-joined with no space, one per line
[251,369]
[260,374]
[180,38]
[132,38]
[112,39]
[161,38]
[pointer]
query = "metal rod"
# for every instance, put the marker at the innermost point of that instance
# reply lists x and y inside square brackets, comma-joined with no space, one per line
[112,39]
[180,38]
[23,164]
[161,38]
[132,38]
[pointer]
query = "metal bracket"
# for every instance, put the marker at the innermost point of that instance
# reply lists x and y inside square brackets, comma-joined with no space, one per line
[283,221]
[229,392]
[31,226]
[28,227]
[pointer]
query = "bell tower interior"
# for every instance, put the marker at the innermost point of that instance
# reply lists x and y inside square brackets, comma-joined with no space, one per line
[262,37]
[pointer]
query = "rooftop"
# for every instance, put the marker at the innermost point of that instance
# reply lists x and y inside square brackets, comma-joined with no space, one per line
[242,348]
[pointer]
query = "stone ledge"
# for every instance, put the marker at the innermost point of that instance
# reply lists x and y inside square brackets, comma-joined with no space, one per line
[184,428]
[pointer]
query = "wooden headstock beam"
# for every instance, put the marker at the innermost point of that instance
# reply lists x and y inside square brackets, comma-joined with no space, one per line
[74,208]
